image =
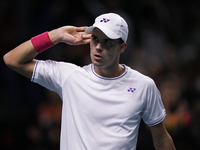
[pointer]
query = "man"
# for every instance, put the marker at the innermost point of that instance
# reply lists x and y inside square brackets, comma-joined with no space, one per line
[103,102]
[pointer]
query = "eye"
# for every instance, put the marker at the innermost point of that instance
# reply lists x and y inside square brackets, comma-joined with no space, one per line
[108,42]
[94,38]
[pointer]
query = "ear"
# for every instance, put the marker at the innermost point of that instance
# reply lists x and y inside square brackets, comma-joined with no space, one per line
[123,47]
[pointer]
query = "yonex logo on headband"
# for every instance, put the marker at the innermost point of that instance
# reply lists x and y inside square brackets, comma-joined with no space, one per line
[104,20]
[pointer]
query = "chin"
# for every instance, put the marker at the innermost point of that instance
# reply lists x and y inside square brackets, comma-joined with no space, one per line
[97,64]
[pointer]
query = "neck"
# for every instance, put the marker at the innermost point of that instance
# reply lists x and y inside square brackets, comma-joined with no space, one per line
[115,71]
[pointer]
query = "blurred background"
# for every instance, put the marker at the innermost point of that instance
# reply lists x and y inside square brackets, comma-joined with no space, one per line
[164,43]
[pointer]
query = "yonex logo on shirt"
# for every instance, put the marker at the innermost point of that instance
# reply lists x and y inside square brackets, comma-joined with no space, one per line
[131,90]
[104,20]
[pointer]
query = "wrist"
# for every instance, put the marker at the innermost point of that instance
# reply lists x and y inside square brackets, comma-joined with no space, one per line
[42,42]
[55,37]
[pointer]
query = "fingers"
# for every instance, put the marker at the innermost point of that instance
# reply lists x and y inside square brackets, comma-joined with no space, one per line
[83,42]
[79,29]
[86,35]
[84,39]
[82,31]
[76,35]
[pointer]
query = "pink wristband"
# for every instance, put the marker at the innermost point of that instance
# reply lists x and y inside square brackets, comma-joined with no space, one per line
[42,42]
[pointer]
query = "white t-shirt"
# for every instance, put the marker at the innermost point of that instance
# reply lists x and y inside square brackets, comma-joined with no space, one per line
[100,113]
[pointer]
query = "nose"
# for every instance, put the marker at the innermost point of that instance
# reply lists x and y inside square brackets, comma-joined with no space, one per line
[98,47]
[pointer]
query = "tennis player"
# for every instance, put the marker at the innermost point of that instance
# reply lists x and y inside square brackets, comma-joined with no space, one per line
[103,102]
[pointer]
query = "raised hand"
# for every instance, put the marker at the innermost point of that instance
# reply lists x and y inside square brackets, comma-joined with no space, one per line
[70,35]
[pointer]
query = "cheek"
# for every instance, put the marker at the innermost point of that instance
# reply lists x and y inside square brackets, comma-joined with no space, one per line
[113,52]
[91,44]
[111,55]
[92,47]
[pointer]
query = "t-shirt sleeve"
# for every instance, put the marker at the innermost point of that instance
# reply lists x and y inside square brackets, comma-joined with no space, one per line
[52,74]
[154,111]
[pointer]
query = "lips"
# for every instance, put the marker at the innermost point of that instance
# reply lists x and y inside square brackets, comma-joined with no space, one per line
[97,56]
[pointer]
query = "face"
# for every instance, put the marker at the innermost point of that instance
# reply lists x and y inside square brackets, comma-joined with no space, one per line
[104,52]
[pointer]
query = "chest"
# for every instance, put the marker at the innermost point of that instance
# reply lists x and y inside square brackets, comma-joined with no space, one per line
[105,100]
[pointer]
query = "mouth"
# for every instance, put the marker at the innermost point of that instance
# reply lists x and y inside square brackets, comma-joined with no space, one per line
[98,57]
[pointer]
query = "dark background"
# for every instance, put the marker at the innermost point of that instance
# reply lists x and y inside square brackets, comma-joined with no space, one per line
[164,43]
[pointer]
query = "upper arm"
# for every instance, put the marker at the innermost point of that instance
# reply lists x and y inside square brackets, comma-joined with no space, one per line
[21,59]
[26,69]
[161,138]
[158,130]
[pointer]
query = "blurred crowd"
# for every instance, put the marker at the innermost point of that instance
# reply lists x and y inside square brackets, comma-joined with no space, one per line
[164,44]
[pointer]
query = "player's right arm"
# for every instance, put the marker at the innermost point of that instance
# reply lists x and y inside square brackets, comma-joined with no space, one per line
[21,58]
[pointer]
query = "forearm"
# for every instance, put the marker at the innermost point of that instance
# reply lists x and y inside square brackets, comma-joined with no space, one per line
[21,54]
[28,50]
[21,58]
[161,138]
[165,143]
[18,58]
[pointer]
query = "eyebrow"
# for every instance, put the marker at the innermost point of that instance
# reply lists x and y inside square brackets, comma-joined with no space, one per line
[93,35]
[103,38]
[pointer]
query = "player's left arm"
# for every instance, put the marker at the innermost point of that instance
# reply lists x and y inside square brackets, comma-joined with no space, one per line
[161,138]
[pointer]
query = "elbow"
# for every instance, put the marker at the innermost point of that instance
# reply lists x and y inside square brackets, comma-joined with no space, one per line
[8,61]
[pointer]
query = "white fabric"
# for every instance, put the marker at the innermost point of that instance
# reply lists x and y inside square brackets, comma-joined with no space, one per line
[112,25]
[100,113]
